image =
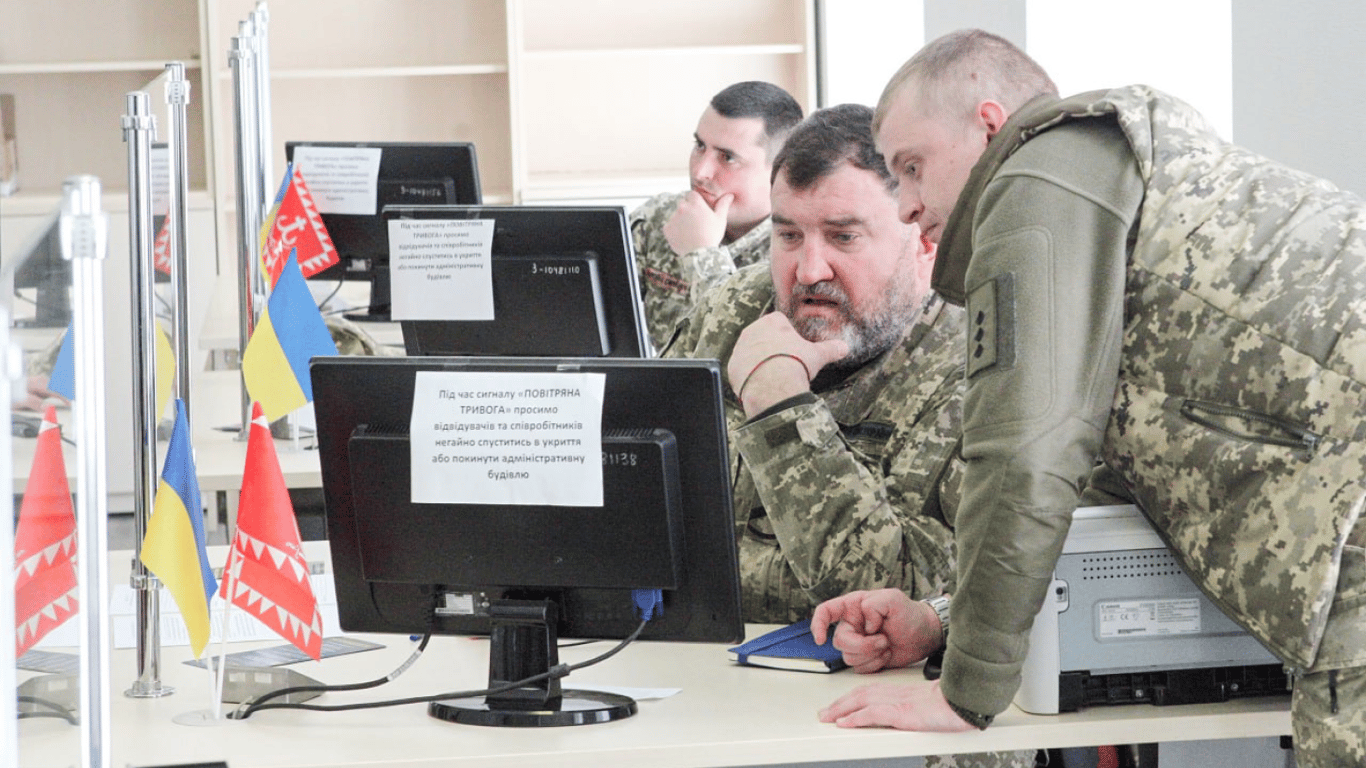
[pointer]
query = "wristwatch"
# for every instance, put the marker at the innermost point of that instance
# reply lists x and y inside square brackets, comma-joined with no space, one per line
[940,605]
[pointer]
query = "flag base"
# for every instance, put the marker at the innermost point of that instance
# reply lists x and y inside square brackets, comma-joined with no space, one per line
[55,695]
[247,683]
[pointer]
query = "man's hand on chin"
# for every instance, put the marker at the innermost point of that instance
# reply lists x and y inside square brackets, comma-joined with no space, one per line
[695,224]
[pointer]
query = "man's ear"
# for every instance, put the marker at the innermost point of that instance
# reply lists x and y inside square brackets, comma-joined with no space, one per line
[991,116]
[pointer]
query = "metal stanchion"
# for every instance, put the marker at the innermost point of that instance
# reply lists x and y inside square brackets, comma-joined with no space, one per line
[84,236]
[246,130]
[11,370]
[138,127]
[177,101]
[261,22]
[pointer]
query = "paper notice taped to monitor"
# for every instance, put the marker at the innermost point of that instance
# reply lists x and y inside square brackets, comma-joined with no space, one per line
[507,438]
[341,179]
[441,269]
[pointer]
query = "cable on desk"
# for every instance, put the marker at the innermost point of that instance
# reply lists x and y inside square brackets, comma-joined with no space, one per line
[559,670]
[245,709]
[53,709]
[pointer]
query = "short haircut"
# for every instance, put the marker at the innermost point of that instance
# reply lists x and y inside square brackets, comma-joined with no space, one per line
[766,101]
[960,70]
[826,140]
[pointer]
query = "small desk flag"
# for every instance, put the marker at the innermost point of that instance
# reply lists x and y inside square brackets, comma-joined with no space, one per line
[174,545]
[62,380]
[290,332]
[267,574]
[44,543]
[298,227]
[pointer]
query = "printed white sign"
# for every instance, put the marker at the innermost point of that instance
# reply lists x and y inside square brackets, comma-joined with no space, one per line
[341,179]
[1148,618]
[159,163]
[507,438]
[441,269]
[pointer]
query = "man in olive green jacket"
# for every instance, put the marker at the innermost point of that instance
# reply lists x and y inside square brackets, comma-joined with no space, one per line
[1141,292]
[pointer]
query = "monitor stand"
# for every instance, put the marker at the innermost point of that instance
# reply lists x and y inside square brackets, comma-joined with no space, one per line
[523,644]
[380,301]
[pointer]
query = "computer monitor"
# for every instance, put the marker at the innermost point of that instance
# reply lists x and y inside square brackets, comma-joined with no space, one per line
[528,573]
[38,266]
[409,172]
[564,285]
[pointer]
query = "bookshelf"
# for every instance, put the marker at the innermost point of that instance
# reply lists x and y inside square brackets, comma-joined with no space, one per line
[564,99]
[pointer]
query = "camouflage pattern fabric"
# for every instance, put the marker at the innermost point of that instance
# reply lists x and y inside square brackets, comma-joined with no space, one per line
[853,488]
[671,283]
[1020,759]
[1245,371]
[1328,707]
[1238,421]
[352,339]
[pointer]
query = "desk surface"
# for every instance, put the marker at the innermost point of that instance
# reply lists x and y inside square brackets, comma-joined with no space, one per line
[219,455]
[725,714]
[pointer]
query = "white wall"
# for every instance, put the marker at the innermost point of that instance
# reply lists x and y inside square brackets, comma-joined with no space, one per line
[1283,80]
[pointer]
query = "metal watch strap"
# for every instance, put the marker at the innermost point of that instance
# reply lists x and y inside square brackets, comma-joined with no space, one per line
[977,720]
[940,605]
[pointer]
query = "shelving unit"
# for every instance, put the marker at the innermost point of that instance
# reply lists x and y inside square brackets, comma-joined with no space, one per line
[69,64]
[560,103]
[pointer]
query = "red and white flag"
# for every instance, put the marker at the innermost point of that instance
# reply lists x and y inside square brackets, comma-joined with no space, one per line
[266,573]
[44,543]
[297,226]
[161,248]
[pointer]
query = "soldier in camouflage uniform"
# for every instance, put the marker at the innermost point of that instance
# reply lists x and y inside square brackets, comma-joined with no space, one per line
[687,241]
[1191,313]
[845,374]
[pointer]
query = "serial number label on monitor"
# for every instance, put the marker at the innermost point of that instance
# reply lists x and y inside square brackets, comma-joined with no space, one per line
[1148,618]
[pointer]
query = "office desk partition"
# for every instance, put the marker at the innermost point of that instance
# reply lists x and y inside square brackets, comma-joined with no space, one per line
[723,715]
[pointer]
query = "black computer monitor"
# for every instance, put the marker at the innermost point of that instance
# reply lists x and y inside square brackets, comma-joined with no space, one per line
[38,266]
[409,172]
[564,285]
[528,574]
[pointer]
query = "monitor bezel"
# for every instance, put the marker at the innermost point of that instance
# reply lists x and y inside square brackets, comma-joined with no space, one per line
[378,391]
[535,230]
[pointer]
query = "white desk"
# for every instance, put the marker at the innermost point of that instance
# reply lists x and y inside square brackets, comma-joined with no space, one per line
[726,715]
[219,455]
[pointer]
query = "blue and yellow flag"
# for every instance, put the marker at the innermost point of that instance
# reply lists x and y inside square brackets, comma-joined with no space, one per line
[174,546]
[290,332]
[62,380]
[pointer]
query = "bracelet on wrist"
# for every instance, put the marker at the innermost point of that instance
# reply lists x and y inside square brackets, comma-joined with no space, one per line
[740,393]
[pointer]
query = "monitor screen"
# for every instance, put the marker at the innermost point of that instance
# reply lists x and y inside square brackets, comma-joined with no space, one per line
[563,280]
[41,279]
[403,563]
[421,172]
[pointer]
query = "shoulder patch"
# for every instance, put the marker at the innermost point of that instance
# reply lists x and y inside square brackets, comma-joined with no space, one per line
[990,310]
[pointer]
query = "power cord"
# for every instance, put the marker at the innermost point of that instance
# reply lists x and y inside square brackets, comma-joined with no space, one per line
[246,709]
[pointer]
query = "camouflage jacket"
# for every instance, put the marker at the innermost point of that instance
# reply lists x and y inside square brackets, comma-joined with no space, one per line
[1193,314]
[852,487]
[671,283]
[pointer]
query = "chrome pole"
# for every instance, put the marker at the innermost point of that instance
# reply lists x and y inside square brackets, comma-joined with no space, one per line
[261,17]
[84,237]
[177,101]
[246,125]
[138,127]
[12,367]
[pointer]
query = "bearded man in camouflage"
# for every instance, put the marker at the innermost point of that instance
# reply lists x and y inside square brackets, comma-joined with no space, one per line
[687,241]
[1140,291]
[845,374]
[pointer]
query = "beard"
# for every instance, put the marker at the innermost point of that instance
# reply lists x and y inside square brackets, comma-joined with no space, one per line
[869,331]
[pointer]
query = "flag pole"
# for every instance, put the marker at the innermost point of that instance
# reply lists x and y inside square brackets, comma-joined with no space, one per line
[221,669]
